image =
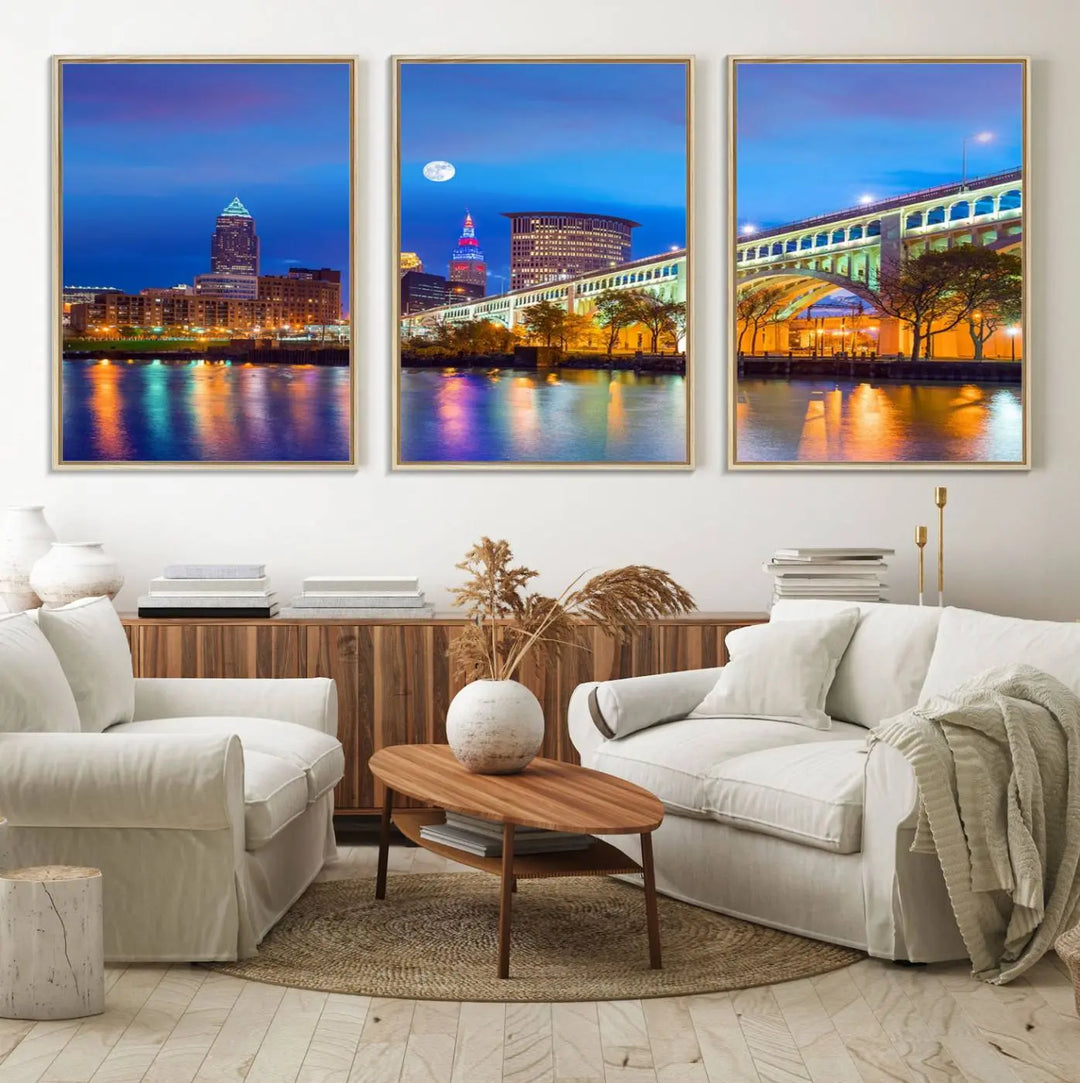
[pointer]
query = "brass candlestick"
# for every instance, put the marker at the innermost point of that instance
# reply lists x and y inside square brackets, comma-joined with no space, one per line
[920,541]
[941,494]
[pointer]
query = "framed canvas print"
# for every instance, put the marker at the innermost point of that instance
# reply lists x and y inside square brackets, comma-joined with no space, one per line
[203,264]
[541,264]
[878,263]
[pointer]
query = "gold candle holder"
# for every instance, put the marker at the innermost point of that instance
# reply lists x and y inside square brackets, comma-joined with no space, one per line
[941,495]
[920,541]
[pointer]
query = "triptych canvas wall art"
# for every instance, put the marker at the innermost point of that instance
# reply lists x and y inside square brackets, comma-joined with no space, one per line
[877,265]
[541,279]
[204,220]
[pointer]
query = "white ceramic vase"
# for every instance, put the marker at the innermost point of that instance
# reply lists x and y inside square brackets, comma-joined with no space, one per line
[73,570]
[24,537]
[495,727]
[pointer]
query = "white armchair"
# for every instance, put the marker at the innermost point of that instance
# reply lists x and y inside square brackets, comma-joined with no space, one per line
[207,804]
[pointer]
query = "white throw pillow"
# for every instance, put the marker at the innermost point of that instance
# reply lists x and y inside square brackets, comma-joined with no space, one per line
[93,650]
[781,671]
[970,642]
[885,664]
[34,694]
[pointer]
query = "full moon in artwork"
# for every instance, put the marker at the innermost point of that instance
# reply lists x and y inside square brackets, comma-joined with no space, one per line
[439,171]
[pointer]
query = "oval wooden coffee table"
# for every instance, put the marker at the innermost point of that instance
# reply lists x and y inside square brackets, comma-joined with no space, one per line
[547,794]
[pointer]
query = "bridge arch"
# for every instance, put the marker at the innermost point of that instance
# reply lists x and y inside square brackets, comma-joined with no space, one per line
[793,275]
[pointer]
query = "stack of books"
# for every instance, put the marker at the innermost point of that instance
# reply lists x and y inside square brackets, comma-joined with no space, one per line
[360,597]
[484,837]
[210,590]
[853,575]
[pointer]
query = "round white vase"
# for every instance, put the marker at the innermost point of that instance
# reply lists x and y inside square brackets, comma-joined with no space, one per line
[24,537]
[495,727]
[73,570]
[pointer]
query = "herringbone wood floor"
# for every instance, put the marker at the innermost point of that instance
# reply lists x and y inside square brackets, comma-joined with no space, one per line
[871,1023]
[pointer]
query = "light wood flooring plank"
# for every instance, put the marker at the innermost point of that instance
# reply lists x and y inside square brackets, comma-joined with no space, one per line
[478,1049]
[676,1054]
[183,1051]
[723,1047]
[527,1044]
[237,1043]
[156,996]
[285,1046]
[771,1044]
[824,1054]
[624,1039]
[332,1049]
[575,1030]
[924,1055]
[866,1042]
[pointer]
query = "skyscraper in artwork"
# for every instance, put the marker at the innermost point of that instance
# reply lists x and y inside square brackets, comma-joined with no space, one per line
[234,246]
[467,262]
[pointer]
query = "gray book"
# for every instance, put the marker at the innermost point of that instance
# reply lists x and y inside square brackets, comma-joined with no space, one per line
[208,601]
[214,571]
[308,599]
[164,585]
[358,612]
[371,584]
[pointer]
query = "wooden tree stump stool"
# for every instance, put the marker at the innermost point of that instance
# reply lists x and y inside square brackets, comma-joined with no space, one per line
[52,943]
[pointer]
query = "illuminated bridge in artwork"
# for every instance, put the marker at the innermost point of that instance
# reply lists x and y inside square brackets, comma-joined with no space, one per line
[845,249]
[664,276]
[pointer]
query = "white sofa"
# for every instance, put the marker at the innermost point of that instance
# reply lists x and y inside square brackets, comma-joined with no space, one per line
[207,804]
[803,829]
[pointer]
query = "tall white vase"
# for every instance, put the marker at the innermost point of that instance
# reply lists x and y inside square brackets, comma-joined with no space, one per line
[24,537]
[73,570]
[495,727]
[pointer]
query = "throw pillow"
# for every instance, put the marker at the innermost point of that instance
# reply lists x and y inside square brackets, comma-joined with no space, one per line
[34,694]
[93,650]
[781,671]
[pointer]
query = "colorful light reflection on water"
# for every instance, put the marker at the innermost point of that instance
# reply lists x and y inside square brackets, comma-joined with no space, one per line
[824,421]
[527,416]
[204,412]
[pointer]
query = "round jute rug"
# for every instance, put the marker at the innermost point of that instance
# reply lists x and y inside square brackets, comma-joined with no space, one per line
[434,938]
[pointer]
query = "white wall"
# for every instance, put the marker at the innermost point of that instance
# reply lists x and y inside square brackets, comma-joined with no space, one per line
[1013,538]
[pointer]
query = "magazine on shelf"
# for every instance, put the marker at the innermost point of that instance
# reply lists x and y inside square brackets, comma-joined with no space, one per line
[483,845]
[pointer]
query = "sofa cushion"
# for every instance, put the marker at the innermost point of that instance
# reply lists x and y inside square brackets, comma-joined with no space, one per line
[93,649]
[781,670]
[275,793]
[970,642]
[675,761]
[810,793]
[886,662]
[317,754]
[34,694]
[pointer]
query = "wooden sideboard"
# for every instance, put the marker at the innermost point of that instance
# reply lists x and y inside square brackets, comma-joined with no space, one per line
[393,677]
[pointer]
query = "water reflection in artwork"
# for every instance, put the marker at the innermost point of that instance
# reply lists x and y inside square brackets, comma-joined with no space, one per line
[204,412]
[574,415]
[811,421]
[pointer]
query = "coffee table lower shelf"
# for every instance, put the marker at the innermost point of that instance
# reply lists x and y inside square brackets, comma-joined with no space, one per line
[600,859]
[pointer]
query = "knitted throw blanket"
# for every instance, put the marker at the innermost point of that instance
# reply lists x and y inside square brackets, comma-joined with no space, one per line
[997,762]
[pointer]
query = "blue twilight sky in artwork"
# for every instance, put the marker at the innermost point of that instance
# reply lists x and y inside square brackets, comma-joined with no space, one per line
[605,138]
[152,153]
[816,137]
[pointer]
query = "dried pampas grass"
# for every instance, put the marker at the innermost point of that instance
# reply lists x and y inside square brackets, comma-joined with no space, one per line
[508,622]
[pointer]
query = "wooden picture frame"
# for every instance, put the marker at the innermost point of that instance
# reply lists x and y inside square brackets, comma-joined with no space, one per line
[919,187]
[190,331]
[544,223]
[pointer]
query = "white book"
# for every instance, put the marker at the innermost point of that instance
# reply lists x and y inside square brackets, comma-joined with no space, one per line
[483,846]
[801,567]
[494,829]
[214,571]
[401,600]
[789,583]
[256,585]
[833,554]
[358,613]
[208,601]
[376,584]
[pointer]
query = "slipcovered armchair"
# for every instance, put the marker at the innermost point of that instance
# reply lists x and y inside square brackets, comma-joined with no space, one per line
[207,804]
